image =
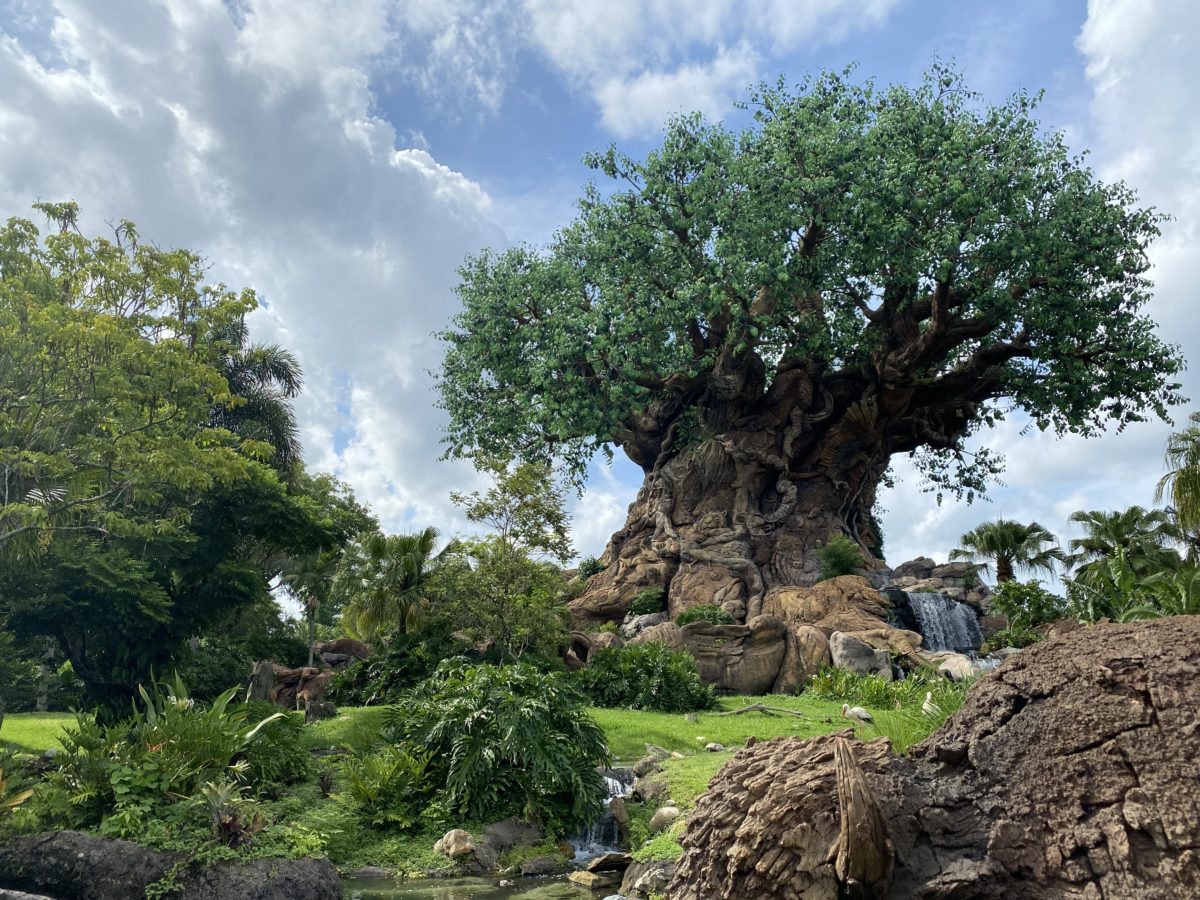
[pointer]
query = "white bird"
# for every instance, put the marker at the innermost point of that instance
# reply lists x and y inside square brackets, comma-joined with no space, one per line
[855,712]
[929,707]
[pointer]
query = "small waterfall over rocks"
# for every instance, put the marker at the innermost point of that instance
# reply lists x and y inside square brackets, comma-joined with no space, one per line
[603,835]
[944,623]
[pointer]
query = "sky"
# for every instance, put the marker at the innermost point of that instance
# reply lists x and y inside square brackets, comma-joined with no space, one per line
[342,157]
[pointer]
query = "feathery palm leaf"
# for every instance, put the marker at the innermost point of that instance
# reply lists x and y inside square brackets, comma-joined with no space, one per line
[1010,545]
[1182,482]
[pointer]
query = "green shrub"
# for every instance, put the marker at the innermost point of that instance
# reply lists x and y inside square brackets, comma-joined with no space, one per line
[505,740]
[646,676]
[869,690]
[608,628]
[589,566]
[276,756]
[118,775]
[1015,636]
[405,661]
[1026,604]
[706,612]
[647,601]
[391,785]
[839,556]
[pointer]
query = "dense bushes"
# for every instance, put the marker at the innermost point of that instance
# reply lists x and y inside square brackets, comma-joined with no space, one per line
[275,756]
[118,776]
[403,662]
[505,740]
[646,676]
[839,556]
[706,612]
[647,601]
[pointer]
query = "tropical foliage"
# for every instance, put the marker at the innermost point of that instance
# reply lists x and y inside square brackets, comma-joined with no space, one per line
[704,612]
[646,676]
[1009,546]
[840,556]
[382,581]
[505,740]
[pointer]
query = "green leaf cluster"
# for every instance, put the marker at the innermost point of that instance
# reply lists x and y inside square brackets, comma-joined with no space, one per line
[505,740]
[646,676]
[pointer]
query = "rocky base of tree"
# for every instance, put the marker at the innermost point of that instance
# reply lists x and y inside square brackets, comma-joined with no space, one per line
[1072,771]
[72,866]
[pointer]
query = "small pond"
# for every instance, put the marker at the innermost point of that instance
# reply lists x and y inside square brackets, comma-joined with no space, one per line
[466,889]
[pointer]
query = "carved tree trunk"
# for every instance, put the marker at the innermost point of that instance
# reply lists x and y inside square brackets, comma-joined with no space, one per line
[743,511]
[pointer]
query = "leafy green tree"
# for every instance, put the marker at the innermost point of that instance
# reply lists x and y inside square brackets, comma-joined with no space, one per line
[107,385]
[761,320]
[1026,604]
[264,379]
[523,507]
[503,601]
[309,576]
[1182,481]
[1009,546]
[382,581]
[646,676]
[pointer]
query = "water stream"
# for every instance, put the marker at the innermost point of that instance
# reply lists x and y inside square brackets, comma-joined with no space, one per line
[465,889]
[603,835]
[945,623]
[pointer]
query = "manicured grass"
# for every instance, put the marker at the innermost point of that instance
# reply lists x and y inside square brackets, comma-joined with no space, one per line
[630,730]
[34,732]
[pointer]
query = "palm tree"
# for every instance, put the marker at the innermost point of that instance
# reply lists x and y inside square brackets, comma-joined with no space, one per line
[310,579]
[265,378]
[1010,545]
[382,580]
[1144,536]
[1182,481]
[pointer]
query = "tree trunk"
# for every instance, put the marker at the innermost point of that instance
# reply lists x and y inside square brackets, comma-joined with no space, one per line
[1004,569]
[733,516]
[312,635]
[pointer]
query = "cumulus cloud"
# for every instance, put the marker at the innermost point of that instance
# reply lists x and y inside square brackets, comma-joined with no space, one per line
[248,133]
[644,61]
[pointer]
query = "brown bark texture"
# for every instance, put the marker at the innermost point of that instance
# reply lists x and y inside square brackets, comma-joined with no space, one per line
[1072,772]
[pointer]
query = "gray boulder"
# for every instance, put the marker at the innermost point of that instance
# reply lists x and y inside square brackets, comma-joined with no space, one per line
[637,624]
[69,865]
[849,653]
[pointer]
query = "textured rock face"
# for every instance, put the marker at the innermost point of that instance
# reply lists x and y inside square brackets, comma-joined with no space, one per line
[806,651]
[696,585]
[848,652]
[737,659]
[846,603]
[72,866]
[667,633]
[635,626]
[1071,772]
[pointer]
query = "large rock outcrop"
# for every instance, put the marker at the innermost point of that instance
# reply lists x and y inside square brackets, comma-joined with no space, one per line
[1071,772]
[68,865]
[738,659]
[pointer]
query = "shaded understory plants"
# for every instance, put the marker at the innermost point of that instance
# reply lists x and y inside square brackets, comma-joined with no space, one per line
[504,740]
[646,676]
[705,612]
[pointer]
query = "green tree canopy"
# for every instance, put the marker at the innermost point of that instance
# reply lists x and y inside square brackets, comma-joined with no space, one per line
[382,579]
[109,372]
[947,260]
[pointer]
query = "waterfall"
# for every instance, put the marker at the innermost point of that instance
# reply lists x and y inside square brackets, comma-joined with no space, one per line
[945,624]
[603,835]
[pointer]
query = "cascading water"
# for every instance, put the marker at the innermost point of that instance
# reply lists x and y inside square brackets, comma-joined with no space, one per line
[603,835]
[944,623]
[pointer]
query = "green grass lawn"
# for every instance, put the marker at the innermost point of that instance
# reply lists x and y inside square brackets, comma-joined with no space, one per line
[630,730]
[34,732]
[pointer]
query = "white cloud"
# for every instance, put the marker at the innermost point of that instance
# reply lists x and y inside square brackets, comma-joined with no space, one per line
[641,103]
[643,61]
[251,137]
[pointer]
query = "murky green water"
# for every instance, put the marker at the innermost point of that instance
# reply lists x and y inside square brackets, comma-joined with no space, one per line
[467,889]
